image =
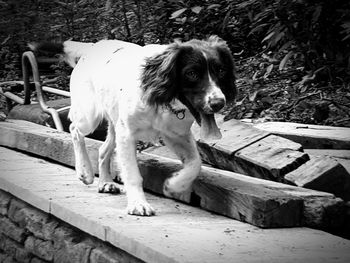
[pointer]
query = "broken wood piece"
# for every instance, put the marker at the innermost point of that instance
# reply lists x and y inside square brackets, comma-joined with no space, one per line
[310,136]
[244,149]
[323,174]
[271,158]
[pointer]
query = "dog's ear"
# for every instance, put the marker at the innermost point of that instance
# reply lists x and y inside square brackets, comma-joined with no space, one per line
[229,90]
[159,78]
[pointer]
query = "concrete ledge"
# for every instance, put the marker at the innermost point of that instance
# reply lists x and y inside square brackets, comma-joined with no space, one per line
[178,233]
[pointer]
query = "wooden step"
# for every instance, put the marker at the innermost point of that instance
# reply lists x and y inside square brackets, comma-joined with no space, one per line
[256,201]
[308,135]
[324,174]
[178,232]
[250,151]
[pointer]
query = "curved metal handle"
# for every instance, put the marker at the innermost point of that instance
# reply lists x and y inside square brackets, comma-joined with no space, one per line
[29,60]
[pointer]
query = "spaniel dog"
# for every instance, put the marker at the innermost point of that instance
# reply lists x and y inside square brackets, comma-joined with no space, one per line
[145,93]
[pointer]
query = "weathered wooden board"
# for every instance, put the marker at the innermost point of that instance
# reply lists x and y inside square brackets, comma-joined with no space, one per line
[338,154]
[235,134]
[310,136]
[178,232]
[226,194]
[44,141]
[256,201]
[245,149]
[323,174]
[271,158]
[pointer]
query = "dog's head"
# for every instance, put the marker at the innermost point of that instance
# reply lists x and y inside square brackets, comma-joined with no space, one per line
[200,74]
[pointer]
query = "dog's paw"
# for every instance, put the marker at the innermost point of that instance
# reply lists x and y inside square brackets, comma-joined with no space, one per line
[110,187]
[86,179]
[182,193]
[140,208]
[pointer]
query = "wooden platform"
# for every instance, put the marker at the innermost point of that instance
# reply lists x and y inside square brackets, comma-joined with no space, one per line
[259,202]
[179,233]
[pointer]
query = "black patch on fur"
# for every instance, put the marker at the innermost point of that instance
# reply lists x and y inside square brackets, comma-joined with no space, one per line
[227,82]
[159,79]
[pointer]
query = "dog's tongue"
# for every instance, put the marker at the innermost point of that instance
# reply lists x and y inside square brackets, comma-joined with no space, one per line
[209,130]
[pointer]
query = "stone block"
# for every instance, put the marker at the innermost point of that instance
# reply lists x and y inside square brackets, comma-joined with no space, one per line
[64,233]
[109,255]
[37,260]
[38,222]
[14,210]
[74,252]
[9,229]
[5,199]
[17,251]
[41,248]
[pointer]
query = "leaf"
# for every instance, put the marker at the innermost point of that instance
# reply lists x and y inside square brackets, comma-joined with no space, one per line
[5,40]
[213,6]
[268,71]
[269,36]
[316,14]
[258,28]
[177,13]
[285,60]
[196,9]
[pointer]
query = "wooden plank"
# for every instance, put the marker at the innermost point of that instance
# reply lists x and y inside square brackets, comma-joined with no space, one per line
[323,174]
[235,135]
[247,150]
[226,194]
[234,195]
[338,154]
[44,141]
[310,136]
[178,233]
[271,158]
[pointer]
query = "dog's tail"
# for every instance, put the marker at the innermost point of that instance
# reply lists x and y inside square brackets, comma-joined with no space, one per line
[70,50]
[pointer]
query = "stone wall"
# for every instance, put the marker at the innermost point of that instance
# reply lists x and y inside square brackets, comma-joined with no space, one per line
[30,235]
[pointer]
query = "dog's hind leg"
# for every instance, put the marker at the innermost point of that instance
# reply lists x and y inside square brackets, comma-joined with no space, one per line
[186,149]
[83,165]
[106,184]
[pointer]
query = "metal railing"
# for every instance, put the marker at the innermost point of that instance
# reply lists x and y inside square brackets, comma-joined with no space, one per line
[29,64]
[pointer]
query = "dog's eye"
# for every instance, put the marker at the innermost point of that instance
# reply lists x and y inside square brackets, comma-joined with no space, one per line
[192,75]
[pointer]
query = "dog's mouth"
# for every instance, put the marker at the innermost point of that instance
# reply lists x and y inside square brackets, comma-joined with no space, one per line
[208,127]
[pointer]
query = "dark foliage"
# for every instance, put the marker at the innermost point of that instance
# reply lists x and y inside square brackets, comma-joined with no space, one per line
[308,37]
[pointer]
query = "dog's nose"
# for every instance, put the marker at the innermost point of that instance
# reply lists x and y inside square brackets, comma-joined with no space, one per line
[217,104]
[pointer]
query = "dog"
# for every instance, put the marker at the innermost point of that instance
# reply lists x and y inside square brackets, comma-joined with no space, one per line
[145,92]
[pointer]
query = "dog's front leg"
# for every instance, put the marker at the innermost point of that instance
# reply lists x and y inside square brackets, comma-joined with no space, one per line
[130,173]
[186,149]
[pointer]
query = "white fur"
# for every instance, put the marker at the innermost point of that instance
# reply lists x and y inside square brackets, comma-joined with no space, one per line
[105,83]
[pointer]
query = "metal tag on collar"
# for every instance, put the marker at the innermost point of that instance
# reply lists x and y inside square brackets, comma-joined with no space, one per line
[180,114]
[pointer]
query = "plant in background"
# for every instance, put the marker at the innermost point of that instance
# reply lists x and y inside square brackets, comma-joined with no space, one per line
[310,29]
